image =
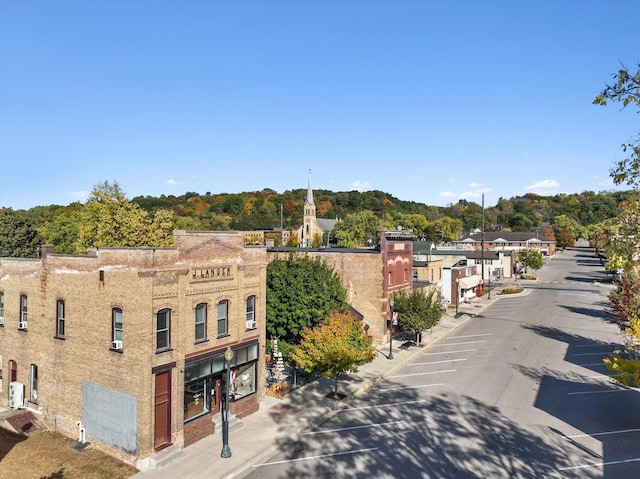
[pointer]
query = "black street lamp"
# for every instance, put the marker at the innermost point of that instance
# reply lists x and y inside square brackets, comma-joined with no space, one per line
[226,450]
[391,303]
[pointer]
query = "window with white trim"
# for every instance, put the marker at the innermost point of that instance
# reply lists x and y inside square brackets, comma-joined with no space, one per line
[163,330]
[60,319]
[223,317]
[1,308]
[201,322]
[116,324]
[251,312]
[23,309]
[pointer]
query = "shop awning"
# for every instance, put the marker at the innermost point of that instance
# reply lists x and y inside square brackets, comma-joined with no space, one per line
[469,282]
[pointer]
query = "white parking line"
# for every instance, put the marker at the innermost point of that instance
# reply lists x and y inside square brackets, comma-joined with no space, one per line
[600,464]
[605,433]
[451,352]
[412,387]
[422,374]
[364,426]
[438,362]
[355,451]
[598,392]
[381,405]
[458,344]
[471,335]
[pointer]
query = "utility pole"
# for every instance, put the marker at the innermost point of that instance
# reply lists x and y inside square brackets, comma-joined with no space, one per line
[482,241]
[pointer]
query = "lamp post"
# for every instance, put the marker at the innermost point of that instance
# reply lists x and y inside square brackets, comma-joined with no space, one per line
[226,450]
[489,282]
[391,303]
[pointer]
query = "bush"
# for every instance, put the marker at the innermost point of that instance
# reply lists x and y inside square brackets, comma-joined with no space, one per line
[512,290]
[528,276]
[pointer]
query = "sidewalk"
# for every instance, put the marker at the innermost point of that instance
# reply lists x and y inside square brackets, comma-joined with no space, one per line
[280,420]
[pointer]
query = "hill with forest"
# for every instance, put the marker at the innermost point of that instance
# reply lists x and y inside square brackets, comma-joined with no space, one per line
[109,219]
[268,209]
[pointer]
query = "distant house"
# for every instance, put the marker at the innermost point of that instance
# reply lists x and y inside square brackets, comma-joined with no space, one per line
[507,241]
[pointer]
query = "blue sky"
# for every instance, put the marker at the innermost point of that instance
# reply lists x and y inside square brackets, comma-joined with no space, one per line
[430,101]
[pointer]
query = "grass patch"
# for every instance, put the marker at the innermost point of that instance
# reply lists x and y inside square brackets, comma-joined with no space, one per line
[528,276]
[48,455]
[511,290]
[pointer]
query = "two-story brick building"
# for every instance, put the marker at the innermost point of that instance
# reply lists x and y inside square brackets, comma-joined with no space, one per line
[128,343]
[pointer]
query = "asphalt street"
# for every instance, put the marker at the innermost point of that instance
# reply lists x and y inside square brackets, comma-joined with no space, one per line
[520,391]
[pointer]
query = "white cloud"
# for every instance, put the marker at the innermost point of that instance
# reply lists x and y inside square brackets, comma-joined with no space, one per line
[80,196]
[470,194]
[474,185]
[543,187]
[172,182]
[360,185]
[447,194]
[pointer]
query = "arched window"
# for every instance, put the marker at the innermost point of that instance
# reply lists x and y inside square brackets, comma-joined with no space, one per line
[223,317]
[163,330]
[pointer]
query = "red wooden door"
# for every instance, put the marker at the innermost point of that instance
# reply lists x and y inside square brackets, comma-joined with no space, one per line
[162,433]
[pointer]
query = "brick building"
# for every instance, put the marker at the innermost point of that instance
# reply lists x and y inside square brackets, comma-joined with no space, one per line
[129,342]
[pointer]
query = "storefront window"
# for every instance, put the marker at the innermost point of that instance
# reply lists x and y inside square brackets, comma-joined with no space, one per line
[245,380]
[200,377]
[197,398]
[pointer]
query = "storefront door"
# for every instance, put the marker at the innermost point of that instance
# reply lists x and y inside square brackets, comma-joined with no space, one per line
[162,433]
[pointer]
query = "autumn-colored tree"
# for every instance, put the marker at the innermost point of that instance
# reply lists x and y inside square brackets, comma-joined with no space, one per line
[564,238]
[625,300]
[625,306]
[335,347]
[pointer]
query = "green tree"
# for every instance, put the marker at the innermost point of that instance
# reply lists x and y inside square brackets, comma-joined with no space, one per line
[336,346]
[63,229]
[18,237]
[626,90]
[418,310]
[445,229]
[531,258]
[108,219]
[358,229]
[301,291]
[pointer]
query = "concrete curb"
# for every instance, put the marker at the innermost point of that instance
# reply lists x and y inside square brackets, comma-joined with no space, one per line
[240,472]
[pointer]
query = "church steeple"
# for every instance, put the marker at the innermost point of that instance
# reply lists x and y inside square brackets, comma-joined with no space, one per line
[309,221]
[309,191]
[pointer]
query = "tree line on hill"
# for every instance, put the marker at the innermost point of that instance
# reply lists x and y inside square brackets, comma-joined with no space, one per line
[109,219]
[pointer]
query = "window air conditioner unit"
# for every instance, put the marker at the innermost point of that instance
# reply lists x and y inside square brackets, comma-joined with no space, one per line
[252,325]
[22,325]
[16,395]
[117,345]
[1,320]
